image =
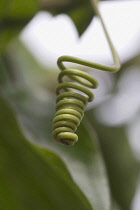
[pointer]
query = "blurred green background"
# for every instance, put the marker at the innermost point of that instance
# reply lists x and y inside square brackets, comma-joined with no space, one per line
[101,171]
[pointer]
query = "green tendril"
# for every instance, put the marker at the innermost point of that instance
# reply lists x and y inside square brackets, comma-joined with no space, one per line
[71,104]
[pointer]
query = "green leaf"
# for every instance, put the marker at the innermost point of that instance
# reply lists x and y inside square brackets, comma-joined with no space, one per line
[123,168]
[84,160]
[14,15]
[85,163]
[81,12]
[17,9]
[29,177]
[82,17]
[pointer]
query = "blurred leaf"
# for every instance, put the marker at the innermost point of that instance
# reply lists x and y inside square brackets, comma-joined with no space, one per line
[17,9]
[123,168]
[80,11]
[131,63]
[15,14]
[82,17]
[84,161]
[20,62]
[3,73]
[5,37]
[31,177]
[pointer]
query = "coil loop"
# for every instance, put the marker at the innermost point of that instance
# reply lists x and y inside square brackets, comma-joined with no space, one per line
[71,105]
[74,95]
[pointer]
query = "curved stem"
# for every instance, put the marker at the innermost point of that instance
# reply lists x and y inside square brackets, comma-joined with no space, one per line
[98,66]
[112,48]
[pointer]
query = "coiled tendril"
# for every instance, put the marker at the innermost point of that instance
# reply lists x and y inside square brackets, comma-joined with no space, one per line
[71,104]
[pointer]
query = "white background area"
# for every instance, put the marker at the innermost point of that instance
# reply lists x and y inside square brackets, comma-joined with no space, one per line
[50,37]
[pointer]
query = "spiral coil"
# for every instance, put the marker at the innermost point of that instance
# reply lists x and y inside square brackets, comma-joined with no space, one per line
[71,104]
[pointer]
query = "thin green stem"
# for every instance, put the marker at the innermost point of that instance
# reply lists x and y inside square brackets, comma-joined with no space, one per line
[112,48]
[98,66]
